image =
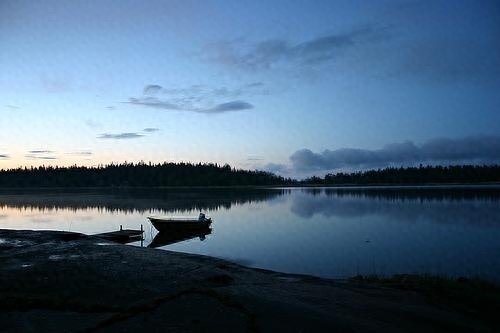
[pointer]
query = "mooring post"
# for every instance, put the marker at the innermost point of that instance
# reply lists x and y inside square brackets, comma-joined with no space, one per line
[121,228]
[142,238]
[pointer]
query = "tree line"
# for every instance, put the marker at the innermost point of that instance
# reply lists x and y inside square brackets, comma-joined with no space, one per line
[456,174]
[210,174]
[135,175]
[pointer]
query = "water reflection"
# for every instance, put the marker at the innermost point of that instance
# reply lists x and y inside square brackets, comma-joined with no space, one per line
[175,236]
[474,206]
[330,232]
[420,193]
[136,200]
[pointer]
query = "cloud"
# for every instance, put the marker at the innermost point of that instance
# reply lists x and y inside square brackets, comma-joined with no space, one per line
[40,157]
[474,150]
[4,156]
[150,130]
[277,168]
[80,153]
[154,103]
[230,106]
[272,52]
[41,152]
[151,89]
[166,105]
[255,158]
[254,85]
[110,107]
[198,98]
[422,40]
[12,107]
[120,136]
[128,135]
[225,92]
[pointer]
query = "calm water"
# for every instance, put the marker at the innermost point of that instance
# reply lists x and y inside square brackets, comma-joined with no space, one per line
[331,232]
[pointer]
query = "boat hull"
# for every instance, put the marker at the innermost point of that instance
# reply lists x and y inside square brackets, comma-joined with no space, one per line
[164,225]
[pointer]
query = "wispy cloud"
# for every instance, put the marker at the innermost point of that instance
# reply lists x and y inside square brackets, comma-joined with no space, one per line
[154,103]
[475,150]
[151,89]
[166,105]
[151,130]
[198,98]
[254,158]
[41,152]
[127,135]
[120,136]
[79,153]
[424,40]
[269,53]
[4,156]
[254,85]
[12,107]
[40,157]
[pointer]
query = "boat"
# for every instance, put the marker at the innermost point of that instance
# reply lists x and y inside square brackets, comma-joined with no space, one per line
[180,223]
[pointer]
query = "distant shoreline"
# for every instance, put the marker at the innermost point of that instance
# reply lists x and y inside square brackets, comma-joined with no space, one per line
[241,187]
[185,175]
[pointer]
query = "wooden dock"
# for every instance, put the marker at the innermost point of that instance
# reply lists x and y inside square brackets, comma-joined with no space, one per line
[123,235]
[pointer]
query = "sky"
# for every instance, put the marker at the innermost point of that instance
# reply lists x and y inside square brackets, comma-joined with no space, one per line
[292,87]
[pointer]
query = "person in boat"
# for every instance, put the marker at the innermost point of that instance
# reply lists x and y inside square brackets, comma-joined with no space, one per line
[201,217]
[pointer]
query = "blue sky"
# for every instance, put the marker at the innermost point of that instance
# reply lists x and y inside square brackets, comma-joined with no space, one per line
[296,87]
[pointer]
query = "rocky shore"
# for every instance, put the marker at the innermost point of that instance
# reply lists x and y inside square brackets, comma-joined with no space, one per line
[58,281]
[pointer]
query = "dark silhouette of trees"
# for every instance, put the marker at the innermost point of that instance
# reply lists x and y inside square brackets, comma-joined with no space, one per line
[209,174]
[137,175]
[456,174]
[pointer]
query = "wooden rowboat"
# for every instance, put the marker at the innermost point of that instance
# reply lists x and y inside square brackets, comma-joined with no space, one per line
[179,223]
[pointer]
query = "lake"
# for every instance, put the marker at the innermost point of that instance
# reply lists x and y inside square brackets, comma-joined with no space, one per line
[327,232]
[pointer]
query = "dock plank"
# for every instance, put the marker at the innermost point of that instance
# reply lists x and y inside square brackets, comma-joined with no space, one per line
[122,236]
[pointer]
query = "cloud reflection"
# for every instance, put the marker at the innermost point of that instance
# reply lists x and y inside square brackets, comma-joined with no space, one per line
[474,206]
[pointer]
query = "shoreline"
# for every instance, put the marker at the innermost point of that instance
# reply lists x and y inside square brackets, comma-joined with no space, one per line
[249,187]
[85,284]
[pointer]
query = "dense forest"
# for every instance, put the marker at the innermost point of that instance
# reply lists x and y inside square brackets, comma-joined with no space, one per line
[187,174]
[458,174]
[134,175]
